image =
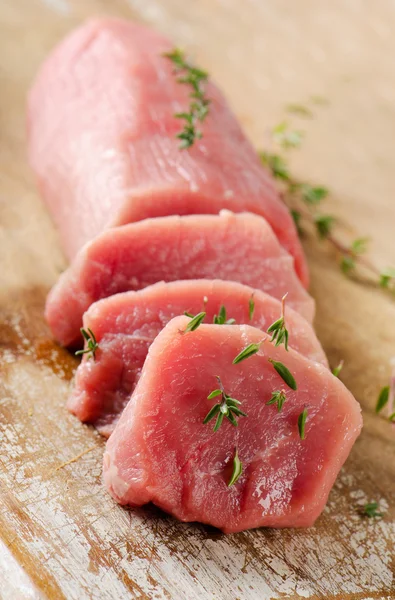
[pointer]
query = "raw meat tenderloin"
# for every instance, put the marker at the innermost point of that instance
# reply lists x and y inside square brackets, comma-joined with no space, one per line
[102,141]
[240,247]
[126,324]
[161,452]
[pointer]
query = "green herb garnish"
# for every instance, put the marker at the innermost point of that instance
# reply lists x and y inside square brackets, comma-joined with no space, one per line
[199,106]
[299,109]
[195,322]
[347,264]
[336,370]
[284,373]
[297,216]
[302,424]
[276,164]
[278,398]
[371,510]
[228,407]
[91,344]
[221,318]
[320,100]
[313,195]
[251,307]
[360,245]
[382,400]
[386,276]
[351,254]
[237,469]
[324,225]
[298,195]
[285,137]
[278,329]
[248,351]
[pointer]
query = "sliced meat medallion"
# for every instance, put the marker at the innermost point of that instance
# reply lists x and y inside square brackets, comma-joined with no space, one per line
[162,452]
[126,324]
[239,247]
[102,141]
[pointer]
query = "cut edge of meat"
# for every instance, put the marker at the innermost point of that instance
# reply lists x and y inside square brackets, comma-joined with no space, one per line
[121,323]
[90,259]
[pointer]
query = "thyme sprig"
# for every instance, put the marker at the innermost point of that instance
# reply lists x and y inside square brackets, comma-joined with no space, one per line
[228,408]
[237,469]
[278,398]
[304,201]
[199,106]
[90,342]
[278,329]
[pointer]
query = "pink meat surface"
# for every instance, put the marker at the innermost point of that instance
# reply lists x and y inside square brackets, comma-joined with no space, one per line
[102,143]
[239,247]
[126,324]
[161,452]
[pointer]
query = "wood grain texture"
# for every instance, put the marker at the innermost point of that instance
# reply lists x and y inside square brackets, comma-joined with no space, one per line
[61,535]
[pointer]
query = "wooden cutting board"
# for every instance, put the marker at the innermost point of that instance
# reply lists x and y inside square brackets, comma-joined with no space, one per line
[61,535]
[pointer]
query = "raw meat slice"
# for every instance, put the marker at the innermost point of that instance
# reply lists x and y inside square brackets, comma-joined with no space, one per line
[126,324]
[240,247]
[161,451]
[102,143]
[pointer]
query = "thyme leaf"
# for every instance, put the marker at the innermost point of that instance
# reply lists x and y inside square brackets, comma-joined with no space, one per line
[278,329]
[371,510]
[195,322]
[237,469]
[324,225]
[313,195]
[248,351]
[251,307]
[386,276]
[276,164]
[299,109]
[221,318]
[336,370]
[383,398]
[284,373]
[297,216]
[302,424]
[90,342]
[285,137]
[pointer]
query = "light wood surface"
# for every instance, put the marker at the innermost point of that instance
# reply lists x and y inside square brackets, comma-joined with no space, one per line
[61,535]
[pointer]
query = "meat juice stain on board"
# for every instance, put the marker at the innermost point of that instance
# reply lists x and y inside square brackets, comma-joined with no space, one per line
[24,333]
